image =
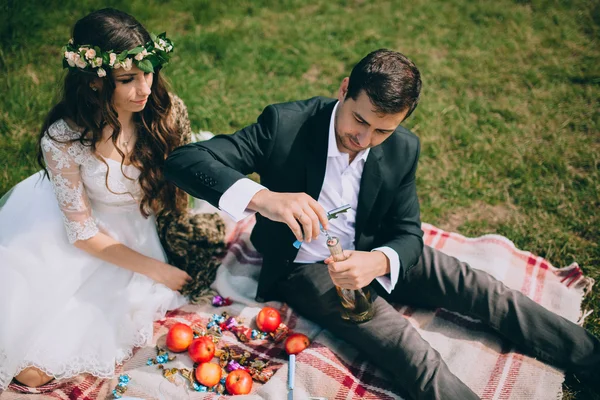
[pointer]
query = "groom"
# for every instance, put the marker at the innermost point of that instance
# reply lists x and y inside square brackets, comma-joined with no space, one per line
[318,154]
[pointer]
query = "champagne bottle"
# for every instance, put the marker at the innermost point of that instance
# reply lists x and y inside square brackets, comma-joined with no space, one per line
[357,305]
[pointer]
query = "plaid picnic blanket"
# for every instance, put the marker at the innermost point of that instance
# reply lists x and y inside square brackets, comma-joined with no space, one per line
[332,369]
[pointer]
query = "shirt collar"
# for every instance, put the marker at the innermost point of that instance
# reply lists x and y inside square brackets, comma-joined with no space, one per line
[332,149]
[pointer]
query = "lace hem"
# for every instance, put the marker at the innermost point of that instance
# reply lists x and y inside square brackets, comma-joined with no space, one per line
[77,230]
[5,377]
[77,366]
[83,364]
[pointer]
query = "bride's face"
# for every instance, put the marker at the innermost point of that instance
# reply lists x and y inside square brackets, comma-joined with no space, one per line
[132,89]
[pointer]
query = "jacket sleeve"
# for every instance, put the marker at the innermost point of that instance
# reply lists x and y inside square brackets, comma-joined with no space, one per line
[207,169]
[401,227]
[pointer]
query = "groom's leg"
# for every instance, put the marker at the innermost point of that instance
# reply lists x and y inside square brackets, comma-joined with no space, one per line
[389,340]
[439,280]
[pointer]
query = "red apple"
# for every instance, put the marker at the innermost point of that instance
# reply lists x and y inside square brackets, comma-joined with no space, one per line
[202,349]
[268,319]
[296,342]
[238,382]
[180,336]
[208,374]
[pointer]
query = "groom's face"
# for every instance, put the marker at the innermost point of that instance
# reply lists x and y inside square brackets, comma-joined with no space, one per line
[358,126]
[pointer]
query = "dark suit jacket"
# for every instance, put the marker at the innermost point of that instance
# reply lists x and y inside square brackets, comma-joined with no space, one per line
[287,147]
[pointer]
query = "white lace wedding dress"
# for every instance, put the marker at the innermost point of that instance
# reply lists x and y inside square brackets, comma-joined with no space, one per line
[61,309]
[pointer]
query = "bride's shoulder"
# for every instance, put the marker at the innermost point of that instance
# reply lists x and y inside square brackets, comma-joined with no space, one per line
[61,138]
[63,130]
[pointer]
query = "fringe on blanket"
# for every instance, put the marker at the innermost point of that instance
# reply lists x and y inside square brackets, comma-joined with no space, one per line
[572,276]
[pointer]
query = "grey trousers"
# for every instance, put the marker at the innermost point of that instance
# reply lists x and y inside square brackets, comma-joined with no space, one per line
[438,280]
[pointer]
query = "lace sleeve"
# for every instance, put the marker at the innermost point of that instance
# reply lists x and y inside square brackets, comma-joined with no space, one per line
[181,119]
[61,160]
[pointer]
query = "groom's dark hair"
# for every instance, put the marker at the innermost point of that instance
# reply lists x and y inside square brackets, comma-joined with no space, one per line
[390,79]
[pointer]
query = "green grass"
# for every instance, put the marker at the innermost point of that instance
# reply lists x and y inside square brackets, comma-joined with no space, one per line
[509,117]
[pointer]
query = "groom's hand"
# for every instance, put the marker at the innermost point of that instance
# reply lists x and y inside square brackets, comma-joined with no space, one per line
[358,269]
[298,210]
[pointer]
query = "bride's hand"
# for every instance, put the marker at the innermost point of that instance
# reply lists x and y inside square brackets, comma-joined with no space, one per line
[172,277]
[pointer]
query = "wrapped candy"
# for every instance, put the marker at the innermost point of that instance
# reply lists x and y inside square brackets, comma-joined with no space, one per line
[162,357]
[243,333]
[224,356]
[262,375]
[258,364]
[231,360]
[232,365]
[230,323]
[280,333]
[216,318]
[198,387]
[215,331]
[219,388]
[242,358]
[121,387]
[169,373]
[198,331]
[219,301]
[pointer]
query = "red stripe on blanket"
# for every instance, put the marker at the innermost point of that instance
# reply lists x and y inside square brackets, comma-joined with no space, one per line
[430,233]
[241,227]
[443,237]
[78,392]
[492,384]
[518,358]
[344,376]
[242,257]
[94,390]
[244,246]
[513,373]
[344,390]
[409,311]
[367,378]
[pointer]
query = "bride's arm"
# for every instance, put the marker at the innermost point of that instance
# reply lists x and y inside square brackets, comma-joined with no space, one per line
[112,251]
[63,158]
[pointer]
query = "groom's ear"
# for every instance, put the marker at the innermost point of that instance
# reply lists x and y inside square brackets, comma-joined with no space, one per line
[343,91]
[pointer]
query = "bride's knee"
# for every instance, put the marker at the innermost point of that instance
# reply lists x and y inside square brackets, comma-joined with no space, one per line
[32,377]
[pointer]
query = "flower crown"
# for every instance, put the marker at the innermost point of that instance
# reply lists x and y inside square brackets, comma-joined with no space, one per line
[92,59]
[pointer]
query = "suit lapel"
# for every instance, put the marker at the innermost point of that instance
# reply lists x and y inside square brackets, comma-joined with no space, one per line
[317,139]
[369,188]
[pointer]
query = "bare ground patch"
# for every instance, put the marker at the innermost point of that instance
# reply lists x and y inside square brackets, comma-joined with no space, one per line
[493,215]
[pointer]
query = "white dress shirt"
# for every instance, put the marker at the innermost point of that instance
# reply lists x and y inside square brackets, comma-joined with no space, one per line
[340,187]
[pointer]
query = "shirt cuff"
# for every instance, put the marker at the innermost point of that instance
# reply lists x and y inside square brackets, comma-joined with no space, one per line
[235,200]
[389,282]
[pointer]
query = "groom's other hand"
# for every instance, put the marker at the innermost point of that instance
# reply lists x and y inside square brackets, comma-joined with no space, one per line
[299,211]
[358,268]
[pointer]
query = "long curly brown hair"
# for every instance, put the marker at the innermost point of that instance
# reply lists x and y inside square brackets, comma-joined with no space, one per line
[92,111]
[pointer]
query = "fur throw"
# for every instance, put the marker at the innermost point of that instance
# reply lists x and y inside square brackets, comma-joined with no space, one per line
[195,243]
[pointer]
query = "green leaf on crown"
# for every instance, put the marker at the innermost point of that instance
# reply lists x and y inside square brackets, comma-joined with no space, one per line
[145,65]
[136,50]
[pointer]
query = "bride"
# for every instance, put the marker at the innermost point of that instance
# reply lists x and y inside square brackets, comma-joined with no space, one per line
[82,271]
